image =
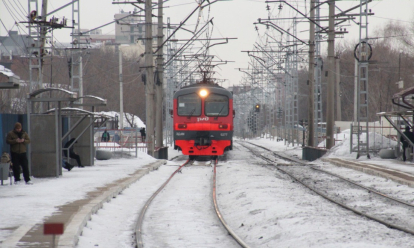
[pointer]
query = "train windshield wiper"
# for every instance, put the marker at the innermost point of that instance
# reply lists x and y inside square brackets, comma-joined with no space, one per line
[192,112]
[215,118]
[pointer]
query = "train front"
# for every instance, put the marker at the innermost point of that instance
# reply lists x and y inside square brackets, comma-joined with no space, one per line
[203,120]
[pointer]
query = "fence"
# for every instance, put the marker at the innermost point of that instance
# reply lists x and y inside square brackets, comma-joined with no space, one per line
[122,142]
[382,135]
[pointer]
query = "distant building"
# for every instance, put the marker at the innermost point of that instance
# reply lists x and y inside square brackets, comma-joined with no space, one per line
[130,28]
[14,44]
[95,37]
[237,89]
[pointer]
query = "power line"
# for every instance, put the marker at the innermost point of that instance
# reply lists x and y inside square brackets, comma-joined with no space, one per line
[21,6]
[10,12]
[17,44]
[24,15]
[392,19]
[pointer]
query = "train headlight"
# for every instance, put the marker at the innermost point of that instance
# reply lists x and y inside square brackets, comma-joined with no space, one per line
[203,93]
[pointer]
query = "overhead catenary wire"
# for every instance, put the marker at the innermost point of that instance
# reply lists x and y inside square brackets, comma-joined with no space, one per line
[12,14]
[21,12]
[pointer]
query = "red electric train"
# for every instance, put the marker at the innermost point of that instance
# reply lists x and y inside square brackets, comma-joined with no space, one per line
[203,120]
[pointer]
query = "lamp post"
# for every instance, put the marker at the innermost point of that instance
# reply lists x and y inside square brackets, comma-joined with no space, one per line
[400,82]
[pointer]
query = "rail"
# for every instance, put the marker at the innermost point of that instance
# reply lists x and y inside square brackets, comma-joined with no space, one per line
[138,227]
[220,216]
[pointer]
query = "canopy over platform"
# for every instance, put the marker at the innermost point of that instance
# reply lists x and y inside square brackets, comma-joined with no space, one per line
[12,81]
[53,127]
[393,117]
[404,98]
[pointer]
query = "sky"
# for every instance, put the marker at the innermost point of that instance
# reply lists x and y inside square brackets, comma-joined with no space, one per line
[232,19]
[264,207]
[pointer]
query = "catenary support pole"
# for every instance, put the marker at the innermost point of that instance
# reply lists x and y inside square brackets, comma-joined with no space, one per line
[80,80]
[43,32]
[311,76]
[150,118]
[356,92]
[160,78]
[338,89]
[121,92]
[330,142]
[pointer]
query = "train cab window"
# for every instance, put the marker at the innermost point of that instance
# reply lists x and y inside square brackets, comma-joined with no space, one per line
[189,105]
[216,105]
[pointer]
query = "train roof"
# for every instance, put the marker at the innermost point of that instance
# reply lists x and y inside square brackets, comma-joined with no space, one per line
[212,88]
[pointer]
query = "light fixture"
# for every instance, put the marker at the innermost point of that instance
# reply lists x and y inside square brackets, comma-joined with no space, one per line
[203,93]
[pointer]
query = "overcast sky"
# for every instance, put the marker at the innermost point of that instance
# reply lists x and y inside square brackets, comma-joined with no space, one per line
[232,19]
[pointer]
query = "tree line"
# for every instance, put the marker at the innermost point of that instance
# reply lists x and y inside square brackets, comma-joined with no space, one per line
[392,60]
[100,78]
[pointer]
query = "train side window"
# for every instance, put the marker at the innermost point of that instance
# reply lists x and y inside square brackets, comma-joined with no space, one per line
[189,105]
[216,105]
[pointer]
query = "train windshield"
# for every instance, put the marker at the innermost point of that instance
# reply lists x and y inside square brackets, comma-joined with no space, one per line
[189,105]
[216,105]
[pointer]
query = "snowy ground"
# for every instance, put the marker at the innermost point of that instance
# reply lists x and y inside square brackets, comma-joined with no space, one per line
[264,207]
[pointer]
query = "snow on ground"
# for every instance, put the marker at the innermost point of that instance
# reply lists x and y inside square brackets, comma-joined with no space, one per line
[342,147]
[264,207]
[106,223]
[269,209]
[21,204]
[182,215]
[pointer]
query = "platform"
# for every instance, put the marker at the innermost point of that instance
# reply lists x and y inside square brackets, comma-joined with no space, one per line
[394,171]
[74,215]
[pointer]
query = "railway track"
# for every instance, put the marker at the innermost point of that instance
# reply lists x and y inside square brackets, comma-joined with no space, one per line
[139,228]
[348,194]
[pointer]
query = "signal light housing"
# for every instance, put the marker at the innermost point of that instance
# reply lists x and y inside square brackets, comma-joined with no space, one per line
[182,126]
[257,108]
[223,126]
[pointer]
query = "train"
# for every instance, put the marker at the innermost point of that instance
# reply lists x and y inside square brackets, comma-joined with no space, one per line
[203,120]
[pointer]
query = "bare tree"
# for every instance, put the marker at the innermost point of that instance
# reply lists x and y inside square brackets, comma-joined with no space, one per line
[101,78]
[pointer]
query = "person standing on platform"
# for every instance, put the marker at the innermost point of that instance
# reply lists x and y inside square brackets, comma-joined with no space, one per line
[18,139]
[143,134]
[405,143]
[105,136]
[116,138]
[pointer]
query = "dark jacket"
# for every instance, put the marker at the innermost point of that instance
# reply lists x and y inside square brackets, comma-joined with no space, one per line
[106,137]
[15,147]
[410,136]
[142,131]
[71,149]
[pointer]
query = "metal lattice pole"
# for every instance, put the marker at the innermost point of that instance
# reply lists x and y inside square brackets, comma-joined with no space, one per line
[363,97]
[169,91]
[35,56]
[295,89]
[76,55]
[318,81]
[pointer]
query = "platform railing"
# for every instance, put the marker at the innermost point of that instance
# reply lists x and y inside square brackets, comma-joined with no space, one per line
[123,143]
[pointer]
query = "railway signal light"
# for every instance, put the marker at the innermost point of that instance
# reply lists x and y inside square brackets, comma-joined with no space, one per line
[257,108]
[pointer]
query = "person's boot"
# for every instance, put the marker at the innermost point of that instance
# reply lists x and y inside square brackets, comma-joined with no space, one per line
[68,166]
